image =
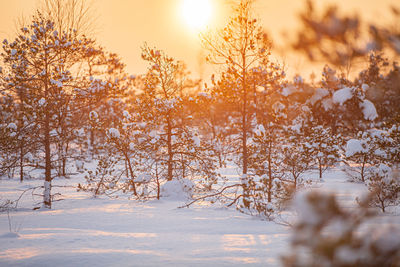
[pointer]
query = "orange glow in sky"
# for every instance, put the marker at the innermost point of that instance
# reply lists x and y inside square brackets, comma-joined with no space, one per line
[122,26]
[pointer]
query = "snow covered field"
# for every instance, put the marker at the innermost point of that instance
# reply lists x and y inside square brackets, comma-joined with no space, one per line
[82,231]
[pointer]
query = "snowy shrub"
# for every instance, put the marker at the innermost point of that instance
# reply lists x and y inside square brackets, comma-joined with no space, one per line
[179,151]
[361,154]
[372,147]
[258,197]
[324,147]
[279,158]
[326,234]
[265,157]
[103,180]
[394,143]
[388,143]
[384,187]
[297,159]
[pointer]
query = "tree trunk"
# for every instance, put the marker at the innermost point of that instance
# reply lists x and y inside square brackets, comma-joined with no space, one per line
[363,169]
[21,162]
[158,182]
[320,168]
[269,175]
[170,153]
[47,183]
[244,116]
[91,137]
[128,161]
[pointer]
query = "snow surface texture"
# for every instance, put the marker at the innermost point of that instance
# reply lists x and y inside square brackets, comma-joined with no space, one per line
[177,189]
[83,231]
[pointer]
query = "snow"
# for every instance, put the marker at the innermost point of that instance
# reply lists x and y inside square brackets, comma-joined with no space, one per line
[131,146]
[53,133]
[153,134]
[327,104]
[278,106]
[42,101]
[347,255]
[287,91]
[93,115]
[56,82]
[126,114]
[354,146]
[342,95]
[28,156]
[304,210]
[388,238]
[12,126]
[260,130]
[9,235]
[318,95]
[85,231]
[296,127]
[196,140]
[143,178]
[114,133]
[177,189]
[369,110]
[79,164]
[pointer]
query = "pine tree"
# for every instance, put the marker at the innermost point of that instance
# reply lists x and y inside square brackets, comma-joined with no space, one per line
[39,75]
[182,152]
[240,46]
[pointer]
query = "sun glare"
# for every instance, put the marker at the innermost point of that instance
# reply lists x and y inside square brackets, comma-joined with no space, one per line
[197,13]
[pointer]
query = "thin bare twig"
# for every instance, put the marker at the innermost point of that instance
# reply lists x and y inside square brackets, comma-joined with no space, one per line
[208,196]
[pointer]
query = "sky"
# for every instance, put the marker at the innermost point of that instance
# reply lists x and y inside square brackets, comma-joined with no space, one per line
[124,25]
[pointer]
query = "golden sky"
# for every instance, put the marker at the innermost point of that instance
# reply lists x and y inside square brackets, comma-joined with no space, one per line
[124,25]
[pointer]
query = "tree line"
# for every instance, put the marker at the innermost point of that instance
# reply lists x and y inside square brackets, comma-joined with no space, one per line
[67,101]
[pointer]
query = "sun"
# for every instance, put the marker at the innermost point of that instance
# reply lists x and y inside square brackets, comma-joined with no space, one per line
[197,13]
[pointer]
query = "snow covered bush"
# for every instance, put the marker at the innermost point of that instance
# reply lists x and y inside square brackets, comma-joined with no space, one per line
[280,156]
[384,187]
[383,79]
[296,161]
[103,180]
[361,154]
[265,157]
[324,146]
[152,140]
[17,143]
[327,234]
[180,151]
[341,105]
[130,145]
[372,147]
[259,197]
[388,143]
